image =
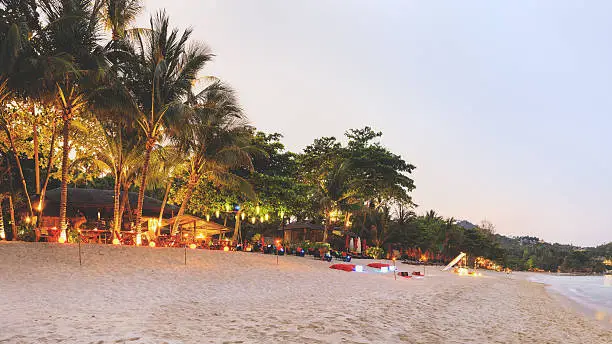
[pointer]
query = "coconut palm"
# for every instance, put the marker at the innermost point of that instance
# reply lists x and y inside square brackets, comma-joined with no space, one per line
[74,63]
[215,137]
[334,192]
[161,75]
[168,159]
[118,15]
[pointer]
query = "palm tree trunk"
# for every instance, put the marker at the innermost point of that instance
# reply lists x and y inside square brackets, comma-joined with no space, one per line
[13,224]
[236,227]
[116,207]
[47,176]
[143,183]
[35,142]
[2,232]
[64,189]
[193,181]
[326,229]
[161,211]
[20,169]
[125,199]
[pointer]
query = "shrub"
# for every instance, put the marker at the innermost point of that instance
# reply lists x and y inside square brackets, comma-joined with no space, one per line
[26,232]
[375,252]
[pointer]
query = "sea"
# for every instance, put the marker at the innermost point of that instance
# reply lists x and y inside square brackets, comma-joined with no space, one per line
[593,293]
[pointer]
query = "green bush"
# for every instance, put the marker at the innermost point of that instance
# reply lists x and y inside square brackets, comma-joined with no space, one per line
[375,252]
[26,232]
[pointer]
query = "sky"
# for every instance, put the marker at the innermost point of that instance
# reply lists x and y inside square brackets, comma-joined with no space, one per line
[503,107]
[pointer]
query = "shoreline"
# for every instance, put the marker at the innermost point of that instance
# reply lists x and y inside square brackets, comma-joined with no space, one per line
[143,295]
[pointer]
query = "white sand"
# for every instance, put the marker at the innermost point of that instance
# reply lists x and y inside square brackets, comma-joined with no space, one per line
[144,295]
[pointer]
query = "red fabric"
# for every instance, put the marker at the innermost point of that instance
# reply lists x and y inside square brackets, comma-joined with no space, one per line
[343,267]
[417,273]
[378,265]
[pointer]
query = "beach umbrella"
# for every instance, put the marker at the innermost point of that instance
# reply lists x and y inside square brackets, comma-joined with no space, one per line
[358,248]
[351,245]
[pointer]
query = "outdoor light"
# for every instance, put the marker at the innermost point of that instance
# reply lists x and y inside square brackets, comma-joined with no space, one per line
[267,217]
[257,210]
[2,234]
[62,237]
[242,216]
[116,241]
[98,216]
[225,248]
[192,246]
[207,217]
[253,220]
[217,214]
[227,207]
[152,244]
[27,219]
[261,219]
[138,239]
[39,206]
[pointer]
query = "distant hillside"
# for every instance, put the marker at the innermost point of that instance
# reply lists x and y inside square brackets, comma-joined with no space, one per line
[466,224]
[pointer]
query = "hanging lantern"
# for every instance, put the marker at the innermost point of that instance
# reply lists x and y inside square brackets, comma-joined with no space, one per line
[207,217]
[267,217]
[253,220]
[62,237]
[257,210]
[138,239]
[217,214]
[242,216]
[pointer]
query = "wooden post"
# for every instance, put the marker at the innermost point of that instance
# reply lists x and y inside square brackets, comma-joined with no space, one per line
[79,240]
[185,254]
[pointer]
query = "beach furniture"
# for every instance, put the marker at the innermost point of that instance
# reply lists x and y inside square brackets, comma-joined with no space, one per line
[343,267]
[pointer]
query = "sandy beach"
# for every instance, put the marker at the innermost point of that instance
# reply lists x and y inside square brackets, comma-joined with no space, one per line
[145,295]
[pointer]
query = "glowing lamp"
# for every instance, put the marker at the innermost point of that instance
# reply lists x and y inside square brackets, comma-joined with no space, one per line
[267,217]
[261,219]
[27,219]
[200,236]
[192,246]
[39,207]
[152,244]
[242,216]
[227,207]
[62,237]
[257,210]
[253,220]
[217,214]
[358,268]
[2,234]
[116,241]
[207,217]
[185,235]
[225,248]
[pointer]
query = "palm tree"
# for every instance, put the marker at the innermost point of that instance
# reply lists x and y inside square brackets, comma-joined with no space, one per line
[74,64]
[162,73]
[168,159]
[215,137]
[335,192]
[120,154]
[118,15]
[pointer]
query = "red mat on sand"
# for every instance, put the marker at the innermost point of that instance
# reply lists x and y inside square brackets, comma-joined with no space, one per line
[343,267]
[378,265]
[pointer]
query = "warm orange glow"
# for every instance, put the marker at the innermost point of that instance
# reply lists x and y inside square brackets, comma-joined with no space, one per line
[226,248]
[207,217]
[217,214]
[138,239]
[253,220]
[423,258]
[62,237]
[27,219]
[152,244]
[192,246]
[200,236]
[39,207]
[2,234]
[116,241]
[242,216]
[185,235]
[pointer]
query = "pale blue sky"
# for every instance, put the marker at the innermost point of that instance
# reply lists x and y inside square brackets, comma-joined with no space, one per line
[503,106]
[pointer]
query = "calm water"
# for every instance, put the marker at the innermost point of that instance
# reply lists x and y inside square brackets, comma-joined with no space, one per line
[592,292]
